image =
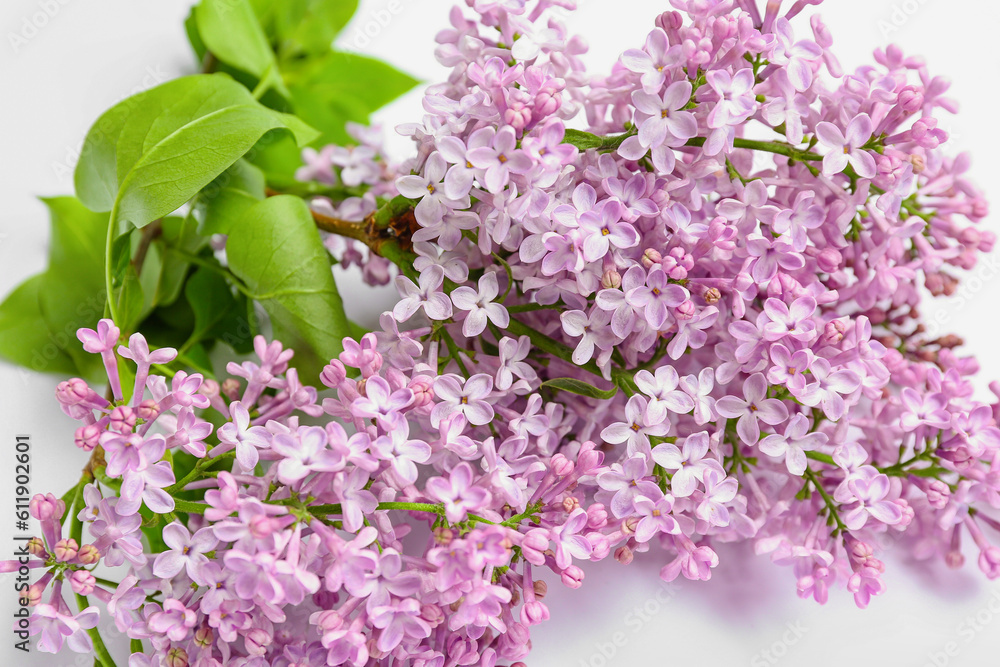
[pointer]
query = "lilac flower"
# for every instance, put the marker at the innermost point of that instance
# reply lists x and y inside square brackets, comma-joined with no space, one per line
[663,393]
[457,493]
[305,453]
[603,228]
[480,305]
[138,351]
[402,452]
[637,427]
[55,627]
[794,321]
[869,492]
[719,490]
[500,159]
[147,486]
[431,191]
[846,147]
[828,389]
[652,61]
[921,410]
[397,622]
[187,552]
[380,402]
[588,328]
[467,400]
[513,354]
[689,463]
[244,438]
[736,101]
[655,517]
[428,296]
[700,390]
[657,296]
[569,544]
[792,446]
[752,407]
[628,481]
[660,120]
[175,620]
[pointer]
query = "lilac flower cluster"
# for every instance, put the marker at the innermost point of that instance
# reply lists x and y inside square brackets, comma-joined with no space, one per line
[656,335]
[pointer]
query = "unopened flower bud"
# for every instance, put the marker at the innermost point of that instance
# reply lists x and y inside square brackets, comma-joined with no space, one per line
[123,419]
[83,582]
[611,279]
[177,657]
[35,593]
[829,260]
[597,516]
[833,333]
[423,392]
[624,555]
[650,257]
[204,636]
[432,614]
[685,311]
[540,588]
[65,549]
[570,503]
[36,547]
[712,296]
[572,576]
[88,555]
[147,409]
[561,465]
[231,388]
[443,535]
[87,437]
[46,507]
[333,374]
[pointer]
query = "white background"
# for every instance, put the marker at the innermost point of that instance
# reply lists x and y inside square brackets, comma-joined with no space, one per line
[85,56]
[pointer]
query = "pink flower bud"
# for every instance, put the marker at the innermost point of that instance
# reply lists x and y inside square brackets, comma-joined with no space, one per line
[533,613]
[46,507]
[834,331]
[534,544]
[423,392]
[570,503]
[178,657]
[611,279]
[685,311]
[624,555]
[829,260]
[256,642]
[83,582]
[123,419]
[432,614]
[65,549]
[147,410]
[561,466]
[204,636]
[540,588]
[572,576]
[650,257]
[597,516]
[231,388]
[712,296]
[87,437]
[35,593]
[36,547]
[88,555]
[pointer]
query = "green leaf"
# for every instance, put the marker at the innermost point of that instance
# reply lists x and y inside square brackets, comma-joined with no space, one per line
[580,387]
[230,30]
[121,253]
[152,152]
[24,336]
[131,301]
[72,290]
[194,37]
[278,254]
[215,308]
[339,87]
[179,237]
[310,26]
[228,197]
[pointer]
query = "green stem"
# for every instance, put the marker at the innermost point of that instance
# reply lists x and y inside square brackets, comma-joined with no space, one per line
[831,506]
[109,287]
